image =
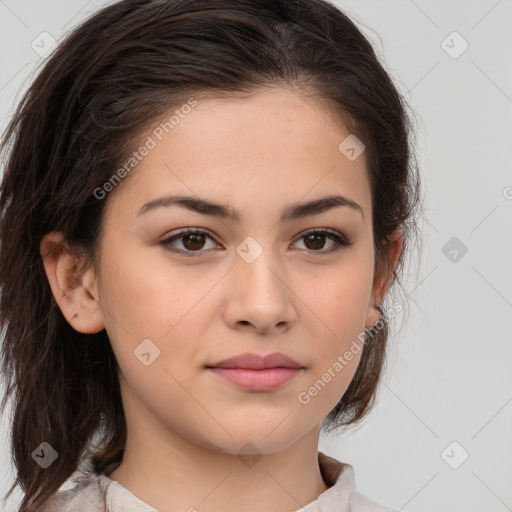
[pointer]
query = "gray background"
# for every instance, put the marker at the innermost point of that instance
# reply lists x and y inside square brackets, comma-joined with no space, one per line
[448,375]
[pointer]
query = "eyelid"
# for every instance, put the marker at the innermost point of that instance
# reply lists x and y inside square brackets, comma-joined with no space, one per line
[330,231]
[340,240]
[187,231]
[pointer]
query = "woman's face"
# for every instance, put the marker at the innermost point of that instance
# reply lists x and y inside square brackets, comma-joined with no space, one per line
[252,283]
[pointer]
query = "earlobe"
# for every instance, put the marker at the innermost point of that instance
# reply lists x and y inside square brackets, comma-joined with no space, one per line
[371,317]
[69,286]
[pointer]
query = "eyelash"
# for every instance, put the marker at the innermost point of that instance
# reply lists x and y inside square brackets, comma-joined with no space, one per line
[340,241]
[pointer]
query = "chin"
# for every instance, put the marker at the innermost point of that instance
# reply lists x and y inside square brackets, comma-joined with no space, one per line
[254,440]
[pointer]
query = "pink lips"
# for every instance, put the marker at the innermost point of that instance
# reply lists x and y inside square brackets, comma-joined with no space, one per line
[255,372]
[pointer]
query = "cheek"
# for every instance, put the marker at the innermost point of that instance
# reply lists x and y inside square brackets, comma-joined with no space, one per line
[337,310]
[138,285]
[146,298]
[340,297]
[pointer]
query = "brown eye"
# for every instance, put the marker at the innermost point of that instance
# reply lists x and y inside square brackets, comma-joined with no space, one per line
[194,242]
[316,240]
[191,241]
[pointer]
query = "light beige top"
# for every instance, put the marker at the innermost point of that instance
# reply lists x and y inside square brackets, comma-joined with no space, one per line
[97,493]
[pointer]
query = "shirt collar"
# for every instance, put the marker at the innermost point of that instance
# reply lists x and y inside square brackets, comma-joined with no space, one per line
[339,476]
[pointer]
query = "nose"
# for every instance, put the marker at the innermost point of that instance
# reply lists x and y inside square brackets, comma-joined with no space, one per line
[259,295]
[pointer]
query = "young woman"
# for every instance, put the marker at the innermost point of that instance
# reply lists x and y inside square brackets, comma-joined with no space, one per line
[204,206]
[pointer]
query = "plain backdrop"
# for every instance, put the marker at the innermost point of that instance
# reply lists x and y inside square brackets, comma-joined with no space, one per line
[440,437]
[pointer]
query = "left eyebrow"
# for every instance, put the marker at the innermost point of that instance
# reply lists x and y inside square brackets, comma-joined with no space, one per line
[206,207]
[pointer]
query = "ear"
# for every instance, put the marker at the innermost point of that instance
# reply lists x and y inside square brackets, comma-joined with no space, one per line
[382,283]
[74,292]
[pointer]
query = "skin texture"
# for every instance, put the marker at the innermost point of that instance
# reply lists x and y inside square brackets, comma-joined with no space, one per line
[187,427]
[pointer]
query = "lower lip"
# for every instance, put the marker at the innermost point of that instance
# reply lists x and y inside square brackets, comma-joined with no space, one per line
[257,380]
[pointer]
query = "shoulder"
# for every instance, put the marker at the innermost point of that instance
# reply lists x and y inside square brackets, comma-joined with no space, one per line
[87,494]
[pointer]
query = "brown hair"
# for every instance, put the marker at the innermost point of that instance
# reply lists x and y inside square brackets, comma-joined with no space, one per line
[110,79]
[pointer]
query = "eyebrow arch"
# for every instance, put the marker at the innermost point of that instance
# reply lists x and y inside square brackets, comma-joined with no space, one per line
[207,207]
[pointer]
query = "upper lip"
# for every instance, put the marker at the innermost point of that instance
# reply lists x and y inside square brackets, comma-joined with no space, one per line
[257,362]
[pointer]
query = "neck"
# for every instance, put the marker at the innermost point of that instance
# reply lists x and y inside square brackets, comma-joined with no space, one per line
[176,474]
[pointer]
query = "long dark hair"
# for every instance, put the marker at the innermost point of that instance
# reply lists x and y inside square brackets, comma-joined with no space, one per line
[107,82]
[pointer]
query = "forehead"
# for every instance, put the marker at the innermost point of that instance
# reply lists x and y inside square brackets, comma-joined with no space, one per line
[268,148]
